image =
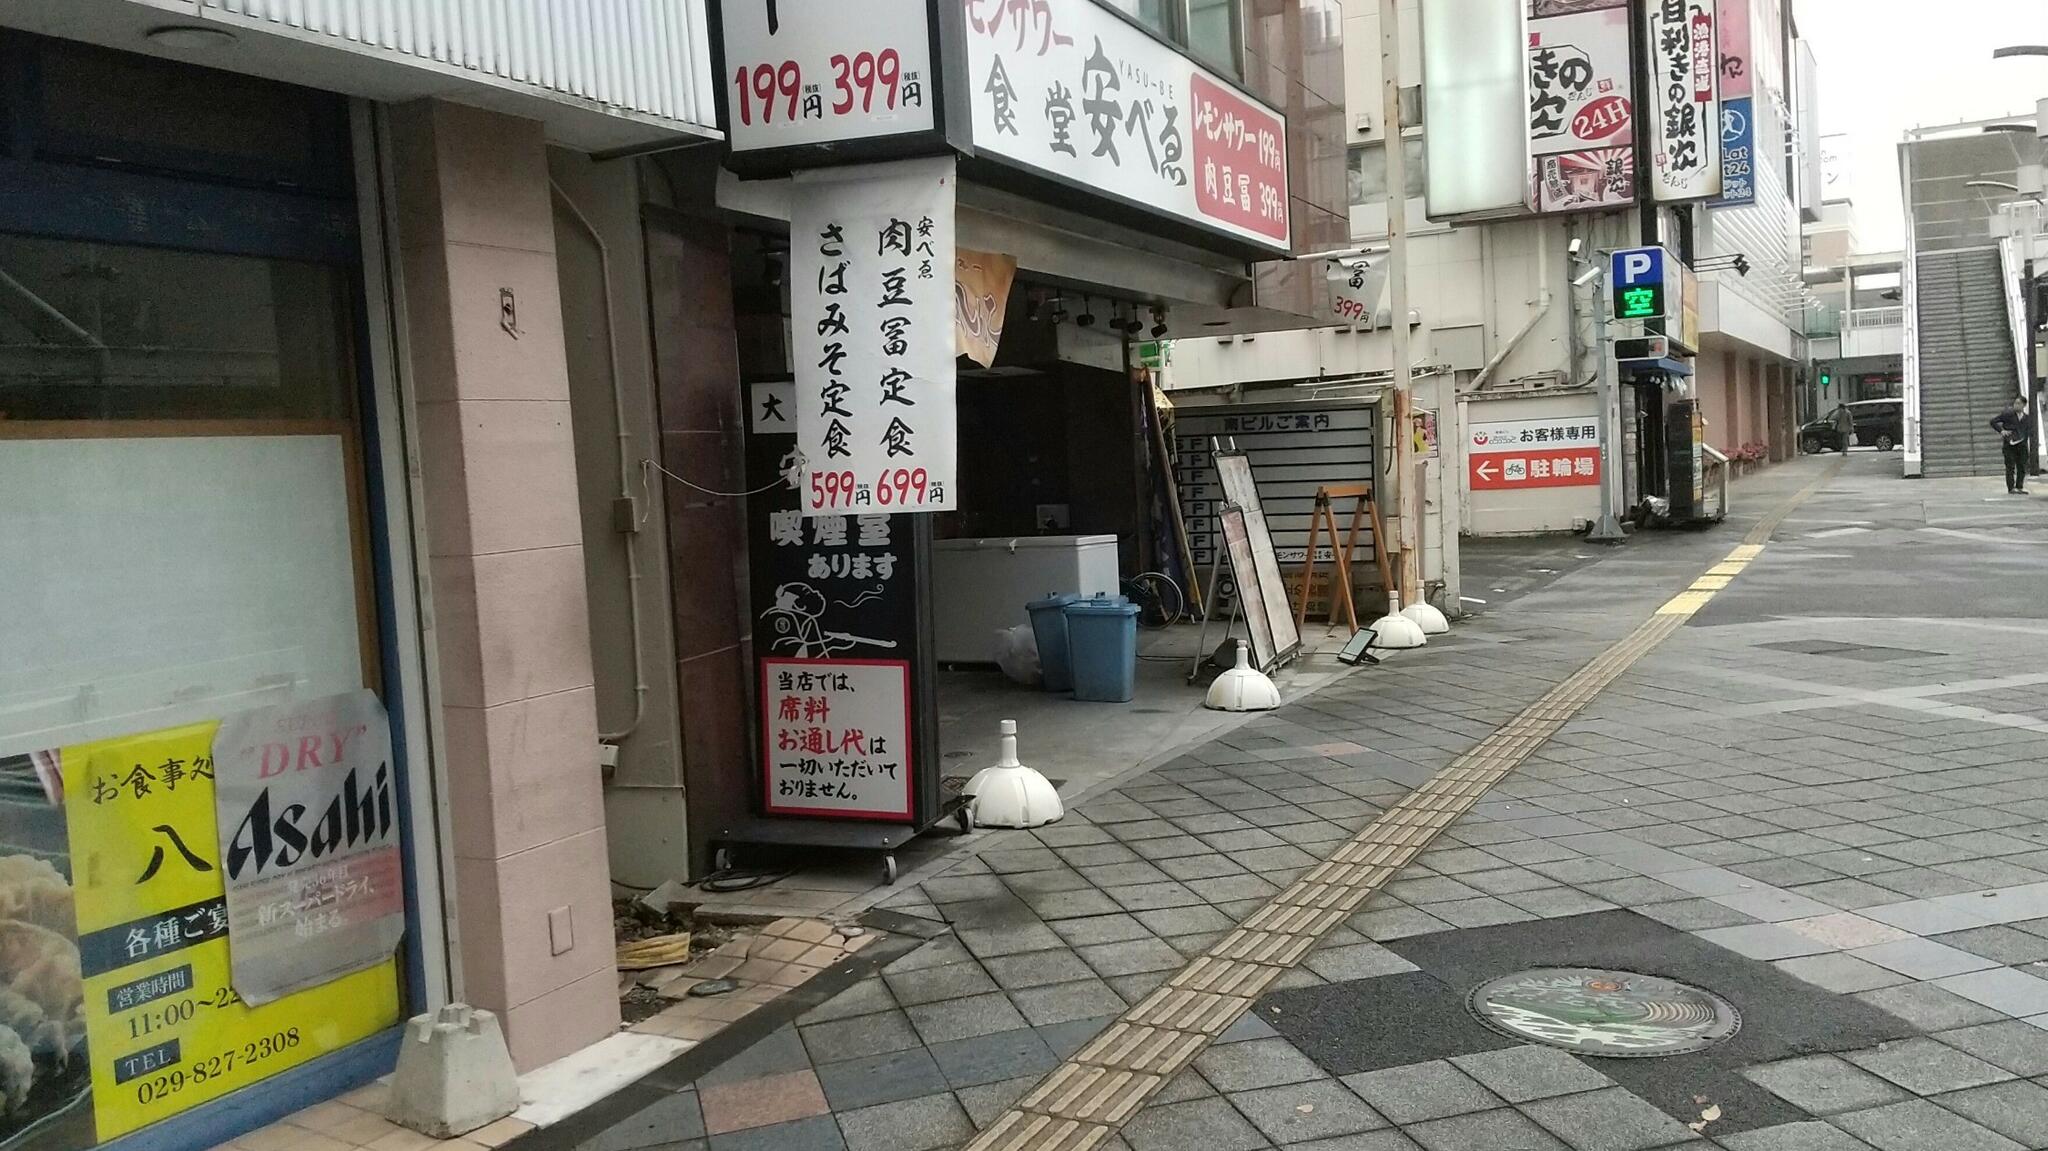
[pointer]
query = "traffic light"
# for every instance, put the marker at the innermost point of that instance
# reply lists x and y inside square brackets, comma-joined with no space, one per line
[1827,380]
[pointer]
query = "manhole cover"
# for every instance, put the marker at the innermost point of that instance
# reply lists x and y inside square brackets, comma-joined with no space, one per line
[1617,1014]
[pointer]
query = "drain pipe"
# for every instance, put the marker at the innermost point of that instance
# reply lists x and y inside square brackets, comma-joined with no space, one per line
[631,527]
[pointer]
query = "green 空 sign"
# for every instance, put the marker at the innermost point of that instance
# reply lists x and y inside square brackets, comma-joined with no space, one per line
[1642,303]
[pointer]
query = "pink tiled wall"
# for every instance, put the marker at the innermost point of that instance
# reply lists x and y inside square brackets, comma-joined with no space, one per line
[531,898]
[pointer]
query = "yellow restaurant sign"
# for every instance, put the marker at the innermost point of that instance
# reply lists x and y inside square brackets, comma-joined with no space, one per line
[164,1027]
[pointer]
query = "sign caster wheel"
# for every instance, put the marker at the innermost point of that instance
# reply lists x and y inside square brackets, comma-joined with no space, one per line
[965,818]
[721,859]
[889,870]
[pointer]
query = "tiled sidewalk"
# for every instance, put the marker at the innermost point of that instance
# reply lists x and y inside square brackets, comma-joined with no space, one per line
[1055,933]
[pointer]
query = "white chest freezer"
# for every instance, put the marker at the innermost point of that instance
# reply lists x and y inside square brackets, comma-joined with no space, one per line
[980,586]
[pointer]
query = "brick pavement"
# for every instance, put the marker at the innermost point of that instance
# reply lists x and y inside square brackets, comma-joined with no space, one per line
[1847,812]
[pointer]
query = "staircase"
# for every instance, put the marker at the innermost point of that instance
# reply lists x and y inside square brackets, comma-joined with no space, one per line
[1968,368]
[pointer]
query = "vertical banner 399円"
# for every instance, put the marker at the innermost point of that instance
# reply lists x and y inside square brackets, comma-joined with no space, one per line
[871,312]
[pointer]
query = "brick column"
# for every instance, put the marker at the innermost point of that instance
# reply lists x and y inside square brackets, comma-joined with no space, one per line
[531,903]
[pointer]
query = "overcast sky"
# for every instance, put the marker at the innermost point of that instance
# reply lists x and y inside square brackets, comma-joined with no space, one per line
[1890,65]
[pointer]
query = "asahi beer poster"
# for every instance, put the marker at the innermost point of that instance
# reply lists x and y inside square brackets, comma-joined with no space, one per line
[309,842]
[872,316]
[1683,102]
[1581,109]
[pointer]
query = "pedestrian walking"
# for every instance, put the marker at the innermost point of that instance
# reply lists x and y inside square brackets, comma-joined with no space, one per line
[1845,428]
[2011,426]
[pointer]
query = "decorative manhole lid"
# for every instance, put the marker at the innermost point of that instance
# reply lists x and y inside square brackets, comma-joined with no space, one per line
[1615,1014]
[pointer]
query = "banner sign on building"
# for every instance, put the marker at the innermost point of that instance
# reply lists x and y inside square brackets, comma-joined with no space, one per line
[1685,136]
[1544,453]
[121,944]
[871,314]
[308,827]
[1581,111]
[1356,284]
[1069,90]
[1738,149]
[801,79]
[981,297]
[847,721]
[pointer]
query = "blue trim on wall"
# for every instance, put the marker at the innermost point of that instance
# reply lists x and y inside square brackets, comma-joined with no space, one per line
[269,1100]
[77,202]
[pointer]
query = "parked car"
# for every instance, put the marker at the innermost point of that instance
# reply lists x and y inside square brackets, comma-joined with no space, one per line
[1879,423]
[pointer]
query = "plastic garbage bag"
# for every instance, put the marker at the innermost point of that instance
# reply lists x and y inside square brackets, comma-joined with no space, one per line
[1017,654]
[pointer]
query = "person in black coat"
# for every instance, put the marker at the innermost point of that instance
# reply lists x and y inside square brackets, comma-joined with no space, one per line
[2014,431]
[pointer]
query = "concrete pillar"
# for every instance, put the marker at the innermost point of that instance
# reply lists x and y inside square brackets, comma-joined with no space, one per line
[1729,437]
[531,902]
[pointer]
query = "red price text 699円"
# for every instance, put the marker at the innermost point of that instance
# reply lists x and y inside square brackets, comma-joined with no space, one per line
[907,489]
[771,92]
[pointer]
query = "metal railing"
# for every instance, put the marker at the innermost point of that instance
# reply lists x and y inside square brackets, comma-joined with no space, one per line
[1893,316]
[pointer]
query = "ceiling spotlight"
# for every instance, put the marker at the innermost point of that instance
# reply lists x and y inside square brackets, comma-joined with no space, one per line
[1059,309]
[1087,318]
[1158,322]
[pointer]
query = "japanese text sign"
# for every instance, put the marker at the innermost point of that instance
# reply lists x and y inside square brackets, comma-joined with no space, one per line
[836,737]
[1356,285]
[871,312]
[1542,453]
[166,1030]
[1683,105]
[822,72]
[308,827]
[1581,112]
[1738,153]
[1068,89]
[1637,281]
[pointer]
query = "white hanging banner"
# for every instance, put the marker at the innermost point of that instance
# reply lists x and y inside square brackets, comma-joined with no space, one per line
[871,312]
[1683,101]
[1356,285]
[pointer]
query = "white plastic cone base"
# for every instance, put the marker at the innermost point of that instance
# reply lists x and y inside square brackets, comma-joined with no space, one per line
[1394,630]
[1243,688]
[1011,795]
[1428,618]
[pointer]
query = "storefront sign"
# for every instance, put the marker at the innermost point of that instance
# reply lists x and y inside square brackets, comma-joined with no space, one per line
[1355,288]
[165,1029]
[1546,453]
[1738,58]
[308,828]
[1581,110]
[1685,141]
[1070,90]
[803,74]
[1738,146]
[836,737]
[871,310]
[835,594]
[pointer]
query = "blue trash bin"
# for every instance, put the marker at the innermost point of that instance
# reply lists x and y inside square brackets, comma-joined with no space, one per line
[1102,644]
[1049,627]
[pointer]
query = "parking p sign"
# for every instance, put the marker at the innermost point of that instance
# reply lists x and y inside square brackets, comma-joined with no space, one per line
[1637,279]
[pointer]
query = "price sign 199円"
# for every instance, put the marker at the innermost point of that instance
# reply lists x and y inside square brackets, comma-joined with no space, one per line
[797,73]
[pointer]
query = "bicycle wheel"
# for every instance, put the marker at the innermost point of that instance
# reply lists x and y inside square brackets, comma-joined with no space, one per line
[1159,599]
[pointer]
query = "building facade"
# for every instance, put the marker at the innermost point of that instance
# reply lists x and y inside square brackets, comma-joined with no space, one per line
[399,358]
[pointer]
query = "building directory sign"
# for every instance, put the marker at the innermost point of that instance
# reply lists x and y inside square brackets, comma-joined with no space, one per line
[120,949]
[1581,108]
[871,312]
[1070,90]
[814,73]
[1683,101]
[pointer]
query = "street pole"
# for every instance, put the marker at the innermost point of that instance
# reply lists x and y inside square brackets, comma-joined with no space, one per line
[1608,530]
[1403,471]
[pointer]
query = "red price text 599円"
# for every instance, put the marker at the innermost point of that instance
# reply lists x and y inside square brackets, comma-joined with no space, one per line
[903,489]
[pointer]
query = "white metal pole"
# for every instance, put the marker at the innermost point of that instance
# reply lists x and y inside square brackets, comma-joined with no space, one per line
[1608,529]
[1403,471]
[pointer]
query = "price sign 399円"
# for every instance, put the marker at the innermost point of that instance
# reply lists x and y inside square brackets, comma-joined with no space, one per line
[801,73]
[871,312]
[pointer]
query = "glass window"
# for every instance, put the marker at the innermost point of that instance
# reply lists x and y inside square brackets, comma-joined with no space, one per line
[1154,14]
[1214,31]
[93,331]
[1367,174]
